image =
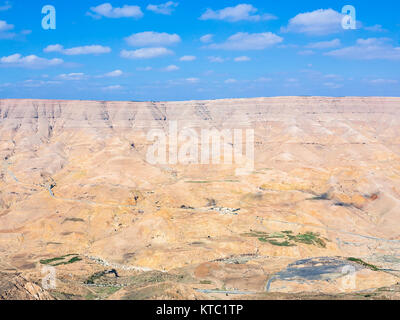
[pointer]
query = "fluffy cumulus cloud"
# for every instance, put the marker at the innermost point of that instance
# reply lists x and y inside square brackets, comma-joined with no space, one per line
[242,59]
[318,22]
[325,44]
[4,26]
[207,38]
[5,29]
[31,61]
[375,28]
[164,8]
[108,11]
[114,74]
[72,76]
[193,80]
[368,49]
[241,12]
[216,59]
[151,38]
[248,41]
[93,49]
[113,87]
[145,53]
[171,67]
[187,58]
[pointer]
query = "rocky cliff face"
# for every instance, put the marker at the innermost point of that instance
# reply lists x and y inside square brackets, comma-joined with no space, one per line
[77,191]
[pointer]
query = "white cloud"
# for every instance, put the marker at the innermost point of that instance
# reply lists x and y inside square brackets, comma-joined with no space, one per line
[145,53]
[5,29]
[187,58]
[171,67]
[107,10]
[368,49]
[31,61]
[4,26]
[242,59]
[325,44]
[192,80]
[375,28]
[72,76]
[151,38]
[114,74]
[233,14]
[93,49]
[248,41]
[38,83]
[114,87]
[230,81]
[54,48]
[216,59]
[318,22]
[207,38]
[165,8]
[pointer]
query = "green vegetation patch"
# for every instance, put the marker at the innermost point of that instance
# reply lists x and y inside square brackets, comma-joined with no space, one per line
[288,239]
[94,277]
[73,220]
[363,263]
[323,196]
[63,260]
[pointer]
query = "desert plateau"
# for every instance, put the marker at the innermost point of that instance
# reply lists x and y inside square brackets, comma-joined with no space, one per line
[316,216]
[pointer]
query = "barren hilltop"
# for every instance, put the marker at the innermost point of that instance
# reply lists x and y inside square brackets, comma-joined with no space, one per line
[316,213]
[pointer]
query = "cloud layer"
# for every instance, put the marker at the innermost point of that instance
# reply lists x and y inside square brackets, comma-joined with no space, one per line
[165,8]
[92,49]
[106,10]
[318,22]
[151,38]
[368,49]
[31,61]
[145,53]
[241,12]
[248,41]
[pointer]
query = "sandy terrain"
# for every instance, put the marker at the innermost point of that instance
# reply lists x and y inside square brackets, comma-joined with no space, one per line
[317,217]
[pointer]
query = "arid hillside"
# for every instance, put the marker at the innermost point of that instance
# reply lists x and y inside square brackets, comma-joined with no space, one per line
[314,210]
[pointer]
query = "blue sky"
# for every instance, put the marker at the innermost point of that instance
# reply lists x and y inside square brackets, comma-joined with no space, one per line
[185,49]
